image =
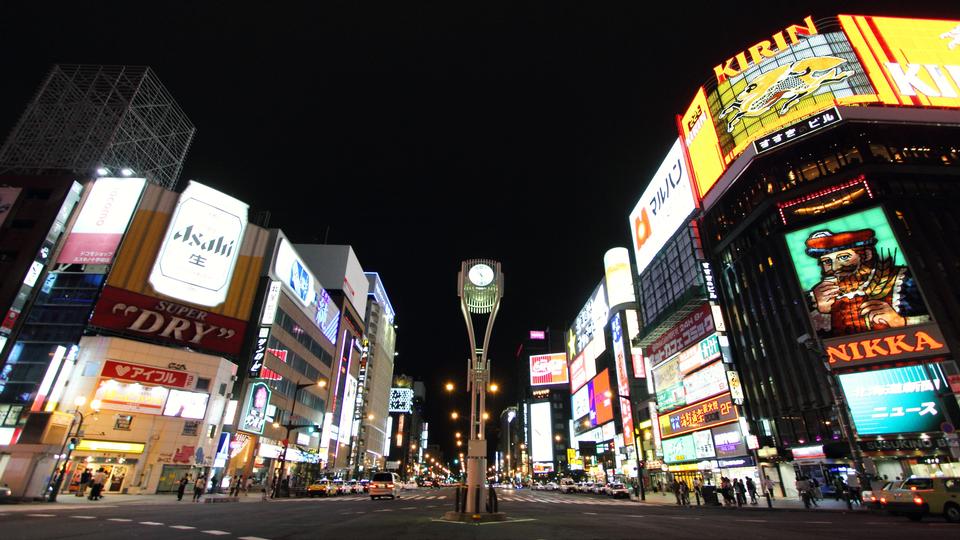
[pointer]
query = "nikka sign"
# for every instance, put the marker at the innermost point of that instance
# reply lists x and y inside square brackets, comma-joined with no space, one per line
[887,346]
[133,313]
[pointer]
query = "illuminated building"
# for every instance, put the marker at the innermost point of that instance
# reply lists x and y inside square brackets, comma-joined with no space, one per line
[381,345]
[825,216]
[406,448]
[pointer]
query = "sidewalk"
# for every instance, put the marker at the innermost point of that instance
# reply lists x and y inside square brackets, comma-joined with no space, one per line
[779,503]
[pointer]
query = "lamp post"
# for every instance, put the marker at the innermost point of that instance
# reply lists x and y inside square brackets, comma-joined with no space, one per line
[480,284]
[289,426]
[68,445]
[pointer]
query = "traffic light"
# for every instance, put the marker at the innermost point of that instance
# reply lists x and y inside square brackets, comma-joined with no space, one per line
[73,443]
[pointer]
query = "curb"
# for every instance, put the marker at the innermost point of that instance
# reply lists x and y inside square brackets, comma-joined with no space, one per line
[754,508]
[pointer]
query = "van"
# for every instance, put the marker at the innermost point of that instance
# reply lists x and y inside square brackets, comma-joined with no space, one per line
[384,484]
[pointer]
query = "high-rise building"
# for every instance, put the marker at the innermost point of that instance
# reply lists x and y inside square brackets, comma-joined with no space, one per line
[87,117]
[377,377]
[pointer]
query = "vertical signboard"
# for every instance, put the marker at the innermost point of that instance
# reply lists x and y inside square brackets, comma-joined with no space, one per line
[254,414]
[619,356]
[541,432]
[666,205]
[200,248]
[857,282]
[703,146]
[618,277]
[102,221]
[346,411]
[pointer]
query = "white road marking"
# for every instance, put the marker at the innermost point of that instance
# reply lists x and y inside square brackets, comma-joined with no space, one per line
[83,517]
[182,527]
[384,510]
[119,519]
[409,508]
[590,513]
[215,532]
[752,520]
[819,522]
[251,538]
[154,523]
[41,515]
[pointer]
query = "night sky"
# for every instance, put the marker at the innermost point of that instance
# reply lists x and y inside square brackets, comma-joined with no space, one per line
[426,133]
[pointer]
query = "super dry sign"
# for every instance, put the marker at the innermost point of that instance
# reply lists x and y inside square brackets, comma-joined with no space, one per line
[887,346]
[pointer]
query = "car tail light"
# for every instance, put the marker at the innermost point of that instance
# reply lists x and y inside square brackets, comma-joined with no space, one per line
[390,485]
[873,499]
[918,500]
[883,500]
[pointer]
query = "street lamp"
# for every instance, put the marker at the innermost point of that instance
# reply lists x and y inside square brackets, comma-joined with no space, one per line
[454,415]
[69,442]
[322,383]
[449,387]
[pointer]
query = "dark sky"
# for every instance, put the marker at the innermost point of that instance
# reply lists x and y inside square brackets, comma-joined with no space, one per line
[426,133]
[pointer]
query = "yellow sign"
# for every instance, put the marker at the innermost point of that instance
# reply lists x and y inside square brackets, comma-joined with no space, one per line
[111,446]
[703,146]
[912,62]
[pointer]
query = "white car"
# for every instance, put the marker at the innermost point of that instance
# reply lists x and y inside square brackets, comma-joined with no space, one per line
[598,488]
[384,484]
[584,487]
[567,485]
[617,490]
[551,486]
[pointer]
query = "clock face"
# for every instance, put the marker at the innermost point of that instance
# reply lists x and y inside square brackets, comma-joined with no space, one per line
[480,275]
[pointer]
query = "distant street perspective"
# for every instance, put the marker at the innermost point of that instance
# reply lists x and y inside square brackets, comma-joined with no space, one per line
[343,271]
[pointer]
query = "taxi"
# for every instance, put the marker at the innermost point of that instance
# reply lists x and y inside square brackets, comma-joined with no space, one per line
[920,496]
[320,488]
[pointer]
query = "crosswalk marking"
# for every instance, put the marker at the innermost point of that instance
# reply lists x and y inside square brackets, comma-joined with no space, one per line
[119,519]
[250,538]
[182,527]
[215,532]
[41,515]
[154,523]
[83,517]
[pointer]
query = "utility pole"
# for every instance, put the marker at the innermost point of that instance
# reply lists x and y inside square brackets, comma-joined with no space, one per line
[480,284]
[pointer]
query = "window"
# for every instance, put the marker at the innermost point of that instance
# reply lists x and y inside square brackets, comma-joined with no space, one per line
[122,422]
[918,483]
[211,430]
[203,384]
[191,429]
[223,389]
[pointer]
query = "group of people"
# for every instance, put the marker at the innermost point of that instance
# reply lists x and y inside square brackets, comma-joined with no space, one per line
[733,491]
[93,480]
[237,484]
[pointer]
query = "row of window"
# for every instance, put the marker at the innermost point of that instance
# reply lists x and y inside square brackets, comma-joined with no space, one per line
[285,321]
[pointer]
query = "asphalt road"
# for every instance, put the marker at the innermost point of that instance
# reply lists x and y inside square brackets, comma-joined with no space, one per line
[416,515]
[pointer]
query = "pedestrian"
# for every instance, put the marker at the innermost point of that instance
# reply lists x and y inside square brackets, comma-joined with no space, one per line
[697,489]
[85,478]
[768,486]
[856,493]
[213,485]
[817,493]
[96,485]
[234,485]
[199,486]
[676,491]
[660,486]
[752,490]
[684,493]
[739,489]
[182,486]
[247,485]
[839,488]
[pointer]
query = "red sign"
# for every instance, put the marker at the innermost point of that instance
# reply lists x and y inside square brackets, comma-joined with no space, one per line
[126,371]
[137,314]
[693,328]
[706,414]
[885,346]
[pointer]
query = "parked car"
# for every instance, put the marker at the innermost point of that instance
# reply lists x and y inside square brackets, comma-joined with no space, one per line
[384,484]
[320,488]
[618,491]
[551,486]
[598,488]
[871,498]
[365,486]
[920,496]
[353,487]
[584,487]
[567,485]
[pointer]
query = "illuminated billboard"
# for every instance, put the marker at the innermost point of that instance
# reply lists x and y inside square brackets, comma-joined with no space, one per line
[703,145]
[912,62]
[599,403]
[548,369]
[401,400]
[99,227]
[587,329]
[679,449]
[199,251]
[805,72]
[668,382]
[707,382]
[183,404]
[253,417]
[626,421]
[131,397]
[898,400]
[346,410]
[715,411]
[857,281]
[541,432]
[300,282]
[619,356]
[666,205]
[618,277]
[728,441]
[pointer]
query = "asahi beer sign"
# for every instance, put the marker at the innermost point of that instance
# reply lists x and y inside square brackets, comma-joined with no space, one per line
[200,248]
[169,321]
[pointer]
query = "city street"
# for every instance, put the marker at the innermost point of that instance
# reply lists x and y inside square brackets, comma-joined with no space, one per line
[416,514]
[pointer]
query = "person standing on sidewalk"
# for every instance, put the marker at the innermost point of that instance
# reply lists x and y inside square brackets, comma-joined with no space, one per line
[768,486]
[247,485]
[198,487]
[96,486]
[85,478]
[752,490]
[739,489]
[182,486]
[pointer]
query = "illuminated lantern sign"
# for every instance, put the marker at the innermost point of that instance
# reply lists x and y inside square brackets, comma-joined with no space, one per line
[712,412]
[862,297]
[898,400]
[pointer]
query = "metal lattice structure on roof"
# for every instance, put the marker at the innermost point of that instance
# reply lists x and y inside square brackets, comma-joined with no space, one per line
[88,116]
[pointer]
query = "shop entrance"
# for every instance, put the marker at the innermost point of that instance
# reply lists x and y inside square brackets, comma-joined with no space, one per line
[170,477]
